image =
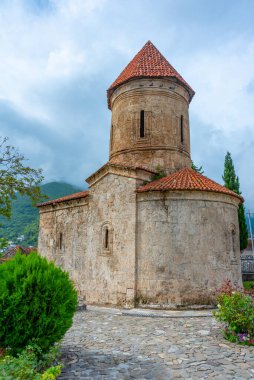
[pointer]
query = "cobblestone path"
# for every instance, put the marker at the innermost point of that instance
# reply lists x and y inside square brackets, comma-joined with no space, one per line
[108,345]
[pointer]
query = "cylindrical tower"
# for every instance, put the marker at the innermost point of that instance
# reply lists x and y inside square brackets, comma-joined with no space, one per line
[150,120]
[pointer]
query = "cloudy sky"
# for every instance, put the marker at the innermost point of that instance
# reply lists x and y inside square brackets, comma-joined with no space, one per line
[58,57]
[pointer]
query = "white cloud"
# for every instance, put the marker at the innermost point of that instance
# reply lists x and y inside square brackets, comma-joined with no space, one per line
[35,49]
[223,106]
[65,62]
[78,8]
[221,78]
[57,61]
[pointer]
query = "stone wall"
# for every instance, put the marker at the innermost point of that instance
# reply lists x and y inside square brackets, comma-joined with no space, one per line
[103,275]
[187,244]
[110,274]
[164,102]
[163,248]
[67,222]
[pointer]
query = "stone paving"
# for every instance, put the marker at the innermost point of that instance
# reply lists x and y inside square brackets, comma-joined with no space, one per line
[109,344]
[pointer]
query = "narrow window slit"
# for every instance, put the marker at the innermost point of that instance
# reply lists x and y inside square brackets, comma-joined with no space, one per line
[142,124]
[181,128]
[60,240]
[106,239]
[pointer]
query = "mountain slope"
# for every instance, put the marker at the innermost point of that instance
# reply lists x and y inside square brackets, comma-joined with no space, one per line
[25,217]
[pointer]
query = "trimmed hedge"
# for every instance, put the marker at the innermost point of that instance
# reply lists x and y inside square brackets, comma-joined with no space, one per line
[37,303]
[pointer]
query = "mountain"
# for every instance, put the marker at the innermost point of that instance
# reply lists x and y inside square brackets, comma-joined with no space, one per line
[25,217]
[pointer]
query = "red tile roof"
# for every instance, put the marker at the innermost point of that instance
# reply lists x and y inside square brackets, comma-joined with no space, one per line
[81,194]
[148,63]
[186,179]
[11,252]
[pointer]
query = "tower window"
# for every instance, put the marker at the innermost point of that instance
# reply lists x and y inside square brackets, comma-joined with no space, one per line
[142,124]
[61,240]
[106,239]
[181,128]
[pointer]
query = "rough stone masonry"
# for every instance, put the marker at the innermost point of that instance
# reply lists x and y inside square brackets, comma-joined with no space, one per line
[132,240]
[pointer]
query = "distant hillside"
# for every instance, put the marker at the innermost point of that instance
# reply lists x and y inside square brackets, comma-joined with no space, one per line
[25,217]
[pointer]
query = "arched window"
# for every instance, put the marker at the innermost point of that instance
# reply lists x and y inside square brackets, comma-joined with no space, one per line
[106,238]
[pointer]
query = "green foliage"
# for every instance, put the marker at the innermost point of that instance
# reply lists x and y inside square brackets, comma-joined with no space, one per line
[27,365]
[3,243]
[242,227]
[197,169]
[231,182]
[37,303]
[230,179]
[25,217]
[248,285]
[236,311]
[15,177]
[160,173]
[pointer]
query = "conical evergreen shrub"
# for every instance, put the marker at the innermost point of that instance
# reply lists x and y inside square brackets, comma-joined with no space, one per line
[231,182]
[37,303]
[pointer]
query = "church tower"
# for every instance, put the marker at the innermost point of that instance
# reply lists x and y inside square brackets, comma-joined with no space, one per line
[131,240]
[150,119]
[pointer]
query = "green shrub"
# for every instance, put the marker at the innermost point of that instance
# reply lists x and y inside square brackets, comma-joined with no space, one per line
[27,366]
[37,303]
[160,173]
[236,311]
[248,285]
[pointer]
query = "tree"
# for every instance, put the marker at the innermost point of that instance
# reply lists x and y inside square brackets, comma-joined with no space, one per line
[3,245]
[231,182]
[16,177]
[194,167]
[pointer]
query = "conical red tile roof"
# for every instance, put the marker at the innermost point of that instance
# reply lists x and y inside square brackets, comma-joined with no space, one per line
[148,63]
[187,179]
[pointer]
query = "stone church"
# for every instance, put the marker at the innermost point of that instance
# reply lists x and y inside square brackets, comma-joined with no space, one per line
[130,239]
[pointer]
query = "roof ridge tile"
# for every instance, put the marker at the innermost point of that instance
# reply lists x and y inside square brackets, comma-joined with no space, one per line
[187,179]
[78,195]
